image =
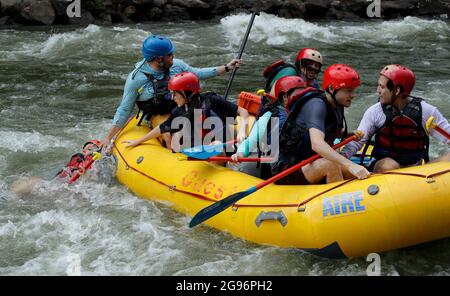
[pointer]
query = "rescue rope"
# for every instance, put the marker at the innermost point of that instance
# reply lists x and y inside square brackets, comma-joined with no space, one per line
[342,184]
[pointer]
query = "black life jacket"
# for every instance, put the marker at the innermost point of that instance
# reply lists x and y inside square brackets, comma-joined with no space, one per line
[206,113]
[273,69]
[402,137]
[295,144]
[197,124]
[277,111]
[160,103]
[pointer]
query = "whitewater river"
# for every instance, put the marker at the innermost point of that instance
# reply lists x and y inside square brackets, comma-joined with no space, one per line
[60,86]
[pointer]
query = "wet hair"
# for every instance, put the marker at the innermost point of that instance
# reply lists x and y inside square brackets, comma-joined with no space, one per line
[390,85]
[194,102]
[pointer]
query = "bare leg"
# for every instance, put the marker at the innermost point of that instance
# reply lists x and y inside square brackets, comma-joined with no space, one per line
[24,187]
[346,173]
[168,140]
[316,171]
[445,157]
[386,164]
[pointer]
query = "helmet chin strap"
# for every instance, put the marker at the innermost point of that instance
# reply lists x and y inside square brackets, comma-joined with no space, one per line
[394,97]
[333,95]
[187,99]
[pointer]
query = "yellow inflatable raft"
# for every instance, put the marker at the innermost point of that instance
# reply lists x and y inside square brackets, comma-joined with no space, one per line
[348,219]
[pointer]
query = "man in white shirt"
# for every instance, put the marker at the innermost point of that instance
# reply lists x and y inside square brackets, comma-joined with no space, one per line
[398,122]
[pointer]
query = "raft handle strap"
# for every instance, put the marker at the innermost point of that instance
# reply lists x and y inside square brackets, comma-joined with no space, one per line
[279,216]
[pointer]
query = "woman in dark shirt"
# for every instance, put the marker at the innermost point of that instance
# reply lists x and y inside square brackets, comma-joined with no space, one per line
[193,111]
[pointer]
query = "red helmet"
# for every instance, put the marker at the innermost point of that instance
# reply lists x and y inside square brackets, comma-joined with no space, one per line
[309,54]
[95,142]
[185,81]
[339,76]
[287,83]
[400,76]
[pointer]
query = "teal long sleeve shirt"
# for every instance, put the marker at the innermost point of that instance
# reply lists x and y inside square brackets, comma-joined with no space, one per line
[250,144]
[139,88]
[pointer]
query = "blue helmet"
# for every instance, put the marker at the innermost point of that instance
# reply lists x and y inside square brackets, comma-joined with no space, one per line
[156,46]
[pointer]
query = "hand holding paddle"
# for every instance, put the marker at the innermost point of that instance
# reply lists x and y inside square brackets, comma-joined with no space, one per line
[241,50]
[263,93]
[430,124]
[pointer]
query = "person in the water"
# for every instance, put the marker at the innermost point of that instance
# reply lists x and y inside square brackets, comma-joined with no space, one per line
[78,164]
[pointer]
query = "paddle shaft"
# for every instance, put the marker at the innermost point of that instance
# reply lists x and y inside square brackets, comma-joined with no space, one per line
[300,165]
[431,124]
[85,167]
[441,131]
[240,159]
[78,174]
[241,51]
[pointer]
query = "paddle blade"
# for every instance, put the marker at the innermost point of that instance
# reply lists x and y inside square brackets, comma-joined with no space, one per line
[203,152]
[219,207]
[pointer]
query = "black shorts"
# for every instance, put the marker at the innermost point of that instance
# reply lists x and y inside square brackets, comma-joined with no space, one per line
[295,178]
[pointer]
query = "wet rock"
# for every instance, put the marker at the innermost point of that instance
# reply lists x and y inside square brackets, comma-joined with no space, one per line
[190,3]
[316,8]
[154,13]
[86,19]
[129,11]
[334,13]
[112,11]
[38,12]
[159,3]
[11,8]
[60,7]
[5,20]
[140,2]
[223,7]
[399,4]
[103,19]
[432,7]
[348,10]
[396,9]
[291,9]
[7,4]
[173,13]
[96,6]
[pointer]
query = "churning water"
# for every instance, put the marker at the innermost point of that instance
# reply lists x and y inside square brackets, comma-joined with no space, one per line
[60,87]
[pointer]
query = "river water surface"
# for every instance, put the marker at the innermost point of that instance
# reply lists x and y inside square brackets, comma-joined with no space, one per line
[60,87]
